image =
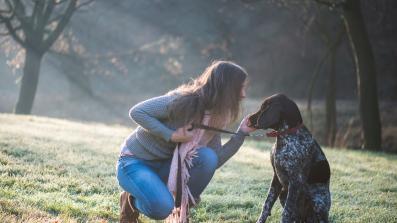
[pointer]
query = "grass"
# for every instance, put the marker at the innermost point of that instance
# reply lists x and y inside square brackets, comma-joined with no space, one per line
[54,170]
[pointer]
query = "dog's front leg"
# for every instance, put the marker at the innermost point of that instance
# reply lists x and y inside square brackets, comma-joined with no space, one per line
[272,196]
[295,190]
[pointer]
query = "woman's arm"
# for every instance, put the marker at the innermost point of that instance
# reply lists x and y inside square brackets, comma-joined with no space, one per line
[149,114]
[226,151]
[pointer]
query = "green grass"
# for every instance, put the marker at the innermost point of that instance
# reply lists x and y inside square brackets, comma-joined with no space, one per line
[55,170]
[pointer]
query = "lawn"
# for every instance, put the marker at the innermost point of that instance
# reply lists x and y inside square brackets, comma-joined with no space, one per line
[54,170]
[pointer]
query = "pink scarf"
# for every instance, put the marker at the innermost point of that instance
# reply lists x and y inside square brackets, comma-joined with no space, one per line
[186,152]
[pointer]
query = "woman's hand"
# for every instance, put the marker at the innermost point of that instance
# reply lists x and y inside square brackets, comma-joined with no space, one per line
[182,134]
[244,125]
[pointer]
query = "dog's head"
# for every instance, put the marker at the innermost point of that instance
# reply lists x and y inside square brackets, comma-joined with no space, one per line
[274,110]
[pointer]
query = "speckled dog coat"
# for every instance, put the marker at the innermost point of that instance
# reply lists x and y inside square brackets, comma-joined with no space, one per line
[301,170]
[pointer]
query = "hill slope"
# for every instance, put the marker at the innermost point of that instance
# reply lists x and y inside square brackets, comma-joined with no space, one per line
[57,170]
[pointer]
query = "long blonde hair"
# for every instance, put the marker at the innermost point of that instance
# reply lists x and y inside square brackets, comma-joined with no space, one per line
[217,90]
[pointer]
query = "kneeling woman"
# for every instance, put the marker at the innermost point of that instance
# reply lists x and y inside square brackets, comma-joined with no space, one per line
[149,159]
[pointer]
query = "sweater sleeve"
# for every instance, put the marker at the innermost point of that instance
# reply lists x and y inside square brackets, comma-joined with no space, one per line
[148,114]
[226,151]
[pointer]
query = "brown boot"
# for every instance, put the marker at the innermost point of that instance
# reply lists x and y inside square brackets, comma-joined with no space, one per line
[128,213]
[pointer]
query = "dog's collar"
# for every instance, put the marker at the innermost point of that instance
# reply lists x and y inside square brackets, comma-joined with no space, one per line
[285,132]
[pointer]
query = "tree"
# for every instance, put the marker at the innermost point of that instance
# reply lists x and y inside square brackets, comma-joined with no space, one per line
[364,62]
[365,69]
[332,42]
[35,26]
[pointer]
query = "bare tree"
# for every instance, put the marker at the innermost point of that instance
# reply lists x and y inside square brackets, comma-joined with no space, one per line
[332,42]
[365,69]
[35,26]
[364,62]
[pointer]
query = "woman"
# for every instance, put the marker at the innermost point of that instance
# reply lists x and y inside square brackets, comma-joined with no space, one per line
[163,123]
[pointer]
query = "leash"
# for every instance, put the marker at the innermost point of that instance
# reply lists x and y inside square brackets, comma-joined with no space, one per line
[206,127]
[269,134]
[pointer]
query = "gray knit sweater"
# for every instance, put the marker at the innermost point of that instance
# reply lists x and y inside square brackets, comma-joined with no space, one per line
[151,140]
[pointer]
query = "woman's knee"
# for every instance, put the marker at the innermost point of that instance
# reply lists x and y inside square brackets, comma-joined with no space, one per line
[151,196]
[207,158]
[160,209]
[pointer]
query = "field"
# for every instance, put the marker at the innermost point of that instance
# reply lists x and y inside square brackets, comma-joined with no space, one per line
[54,170]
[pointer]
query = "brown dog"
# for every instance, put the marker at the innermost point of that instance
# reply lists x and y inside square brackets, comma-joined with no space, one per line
[301,170]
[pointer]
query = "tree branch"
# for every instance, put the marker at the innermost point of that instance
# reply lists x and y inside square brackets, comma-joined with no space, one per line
[85,3]
[3,18]
[9,11]
[46,13]
[8,33]
[13,31]
[19,10]
[317,69]
[37,15]
[55,19]
[48,10]
[61,25]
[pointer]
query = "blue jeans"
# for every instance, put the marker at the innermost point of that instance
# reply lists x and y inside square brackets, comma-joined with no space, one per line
[146,181]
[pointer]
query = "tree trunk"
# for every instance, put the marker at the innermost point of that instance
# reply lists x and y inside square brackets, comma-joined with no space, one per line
[366,74]
[330,104]
[29,81]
